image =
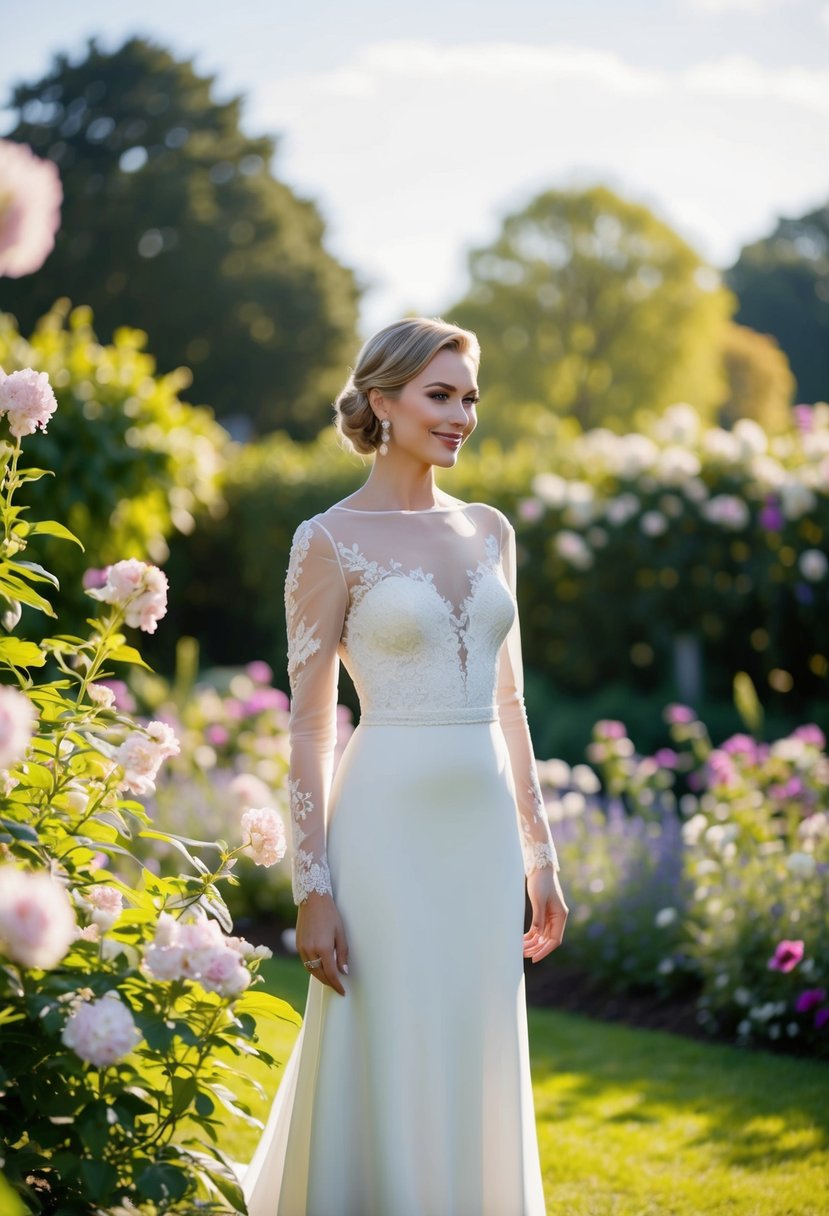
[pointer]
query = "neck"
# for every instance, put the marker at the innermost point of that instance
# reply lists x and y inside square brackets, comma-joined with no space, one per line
[399,485]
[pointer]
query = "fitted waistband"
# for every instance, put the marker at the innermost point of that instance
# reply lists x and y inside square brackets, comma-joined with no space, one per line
[437,716]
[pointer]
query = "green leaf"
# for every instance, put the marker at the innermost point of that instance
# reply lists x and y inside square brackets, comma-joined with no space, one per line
[36,572]
[184,1091]
[34,474]
[93,1125]
[100,1177]
[20,831]
[127,654]
[205,1104]
[263,1004]
[26,595]
[20,653]
[196,862]
[162,1182]
[747,702]
[49,527]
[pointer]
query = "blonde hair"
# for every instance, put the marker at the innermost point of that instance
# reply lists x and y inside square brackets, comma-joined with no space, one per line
[388,361]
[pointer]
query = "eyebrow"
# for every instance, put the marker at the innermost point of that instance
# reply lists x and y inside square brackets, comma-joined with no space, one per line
[449,387]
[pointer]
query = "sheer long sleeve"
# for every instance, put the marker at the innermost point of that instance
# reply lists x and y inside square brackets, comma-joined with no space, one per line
[316,600]
[534,829]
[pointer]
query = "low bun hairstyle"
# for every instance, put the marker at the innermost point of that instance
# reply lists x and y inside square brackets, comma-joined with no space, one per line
[388,361]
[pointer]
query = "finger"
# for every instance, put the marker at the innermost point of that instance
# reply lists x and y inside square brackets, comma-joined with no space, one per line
[330,973]
[341,948]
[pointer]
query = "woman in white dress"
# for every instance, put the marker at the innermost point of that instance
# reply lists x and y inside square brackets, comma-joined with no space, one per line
[408,1091]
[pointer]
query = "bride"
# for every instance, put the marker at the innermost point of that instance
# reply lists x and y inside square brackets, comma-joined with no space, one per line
[408,1090]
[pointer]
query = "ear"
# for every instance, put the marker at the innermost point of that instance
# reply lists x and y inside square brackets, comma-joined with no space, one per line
[377,402]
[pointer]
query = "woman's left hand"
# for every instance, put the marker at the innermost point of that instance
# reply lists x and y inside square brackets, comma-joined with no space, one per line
[549,914]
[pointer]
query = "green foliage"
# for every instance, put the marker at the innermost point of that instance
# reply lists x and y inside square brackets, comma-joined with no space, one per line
[174,223]
[133,463]
[760,381]
[589,306]
[782,284]
[93,1121]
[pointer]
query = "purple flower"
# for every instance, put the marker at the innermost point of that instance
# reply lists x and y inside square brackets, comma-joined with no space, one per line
[810,733]
[804,417]
[787,955]
[821,1017]
[771,517]
[94,577]
[678,714]
[124,700]
[808,998]
[666,757]
[721,768]
[217,734]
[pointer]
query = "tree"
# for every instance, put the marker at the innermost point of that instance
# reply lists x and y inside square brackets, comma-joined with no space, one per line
[173,223]
[760,382]
[592,307]
[782,283]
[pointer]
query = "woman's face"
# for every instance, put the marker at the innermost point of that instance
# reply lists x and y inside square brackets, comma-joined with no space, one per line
[435,412]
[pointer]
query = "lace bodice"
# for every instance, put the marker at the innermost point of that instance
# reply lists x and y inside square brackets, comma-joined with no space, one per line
[420,607]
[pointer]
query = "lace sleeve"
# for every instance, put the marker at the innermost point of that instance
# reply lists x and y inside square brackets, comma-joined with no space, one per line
[316,600]
[536,839]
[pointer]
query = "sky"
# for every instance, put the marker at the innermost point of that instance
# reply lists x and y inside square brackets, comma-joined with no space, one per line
[417,127]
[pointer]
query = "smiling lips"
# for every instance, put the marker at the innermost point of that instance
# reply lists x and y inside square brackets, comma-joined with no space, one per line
[453,441]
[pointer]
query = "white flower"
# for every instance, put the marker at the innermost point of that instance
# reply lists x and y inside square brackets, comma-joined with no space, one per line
[680,423]
[726,510]
[751,437]
[106,905]
[550,488]
[797,500]
[675,465]
[620,509]
[813,565]
[653,523]
[584,779]
[720,445]
[142,753]
[666,966]
[555,773]
[802,865]
[139,589]
[572,549]
[665,917]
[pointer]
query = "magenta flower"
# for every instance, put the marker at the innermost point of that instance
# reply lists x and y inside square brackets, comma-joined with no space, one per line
[665,757]
[821,1017]
[740,745]
[265,698]
[217,734]
[679,714]
[771,517]
[721,768]
[804,417]
[787,955]
[30,199]
[808,998]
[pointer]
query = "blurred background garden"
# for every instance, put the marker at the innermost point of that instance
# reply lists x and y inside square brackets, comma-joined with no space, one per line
[636,224]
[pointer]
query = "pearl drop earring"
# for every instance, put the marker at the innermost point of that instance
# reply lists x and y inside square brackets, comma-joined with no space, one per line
[385,429]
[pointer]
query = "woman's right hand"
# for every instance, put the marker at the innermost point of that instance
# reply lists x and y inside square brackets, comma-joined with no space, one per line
[320,934]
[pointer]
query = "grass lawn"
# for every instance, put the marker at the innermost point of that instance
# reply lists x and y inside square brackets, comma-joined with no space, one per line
[643,1123]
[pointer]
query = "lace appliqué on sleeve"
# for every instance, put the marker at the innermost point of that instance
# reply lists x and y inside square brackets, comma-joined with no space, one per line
[538,854]
[302,638]
[308,873]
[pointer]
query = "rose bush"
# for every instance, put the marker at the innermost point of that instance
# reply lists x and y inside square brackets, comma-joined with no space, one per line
[124,995]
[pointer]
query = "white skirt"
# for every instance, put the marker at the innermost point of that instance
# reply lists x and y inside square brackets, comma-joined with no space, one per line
[411,1095]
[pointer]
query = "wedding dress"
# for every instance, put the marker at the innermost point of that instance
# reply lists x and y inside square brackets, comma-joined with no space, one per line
[411,1095]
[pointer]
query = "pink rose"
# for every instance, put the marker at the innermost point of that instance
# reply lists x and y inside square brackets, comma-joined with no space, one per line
[37,923]
[139,589]
[29,209]
[142,754]
[786,956]
[264,835]
[224,973]
[101,1031]
[26,398]
[106,904]
[18,720]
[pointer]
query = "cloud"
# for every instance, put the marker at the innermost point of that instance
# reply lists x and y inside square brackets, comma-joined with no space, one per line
[414,150]
[740,6]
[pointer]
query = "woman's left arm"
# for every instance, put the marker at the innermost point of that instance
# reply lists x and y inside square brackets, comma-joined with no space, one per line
[541,864]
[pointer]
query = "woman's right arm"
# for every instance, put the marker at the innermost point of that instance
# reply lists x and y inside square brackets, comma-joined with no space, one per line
[316,601]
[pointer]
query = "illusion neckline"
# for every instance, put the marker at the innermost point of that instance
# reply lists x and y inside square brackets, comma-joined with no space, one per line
[400,510]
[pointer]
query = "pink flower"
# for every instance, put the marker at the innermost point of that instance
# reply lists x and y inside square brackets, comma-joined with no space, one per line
[124,700]
[665,757]
[530,509]
[787,955]
[740,745]
[27,399]
[37,923]
[225,973]
[100,694]
[141,756]
[197,950]
[259,671]
[30,199]
[264,834]
[679,714]
[106,904]
[101,1031]
[811,733]
[249,790]
[217,734]
[18,720]
[809,998]
[139,589]
[609,728]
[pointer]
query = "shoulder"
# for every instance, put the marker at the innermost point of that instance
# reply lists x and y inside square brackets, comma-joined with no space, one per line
[312,536]
[490,516]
